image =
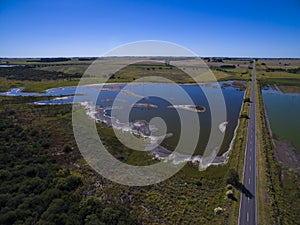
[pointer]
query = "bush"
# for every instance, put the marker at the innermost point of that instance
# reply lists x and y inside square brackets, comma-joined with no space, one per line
[8,218]
[232,177]
[244,116]
[67,148]
[229,187]
[247,100]
[229,194]
[68,184]
[218,210]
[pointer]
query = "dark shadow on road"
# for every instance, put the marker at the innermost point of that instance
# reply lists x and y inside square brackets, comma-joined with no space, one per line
[244,190]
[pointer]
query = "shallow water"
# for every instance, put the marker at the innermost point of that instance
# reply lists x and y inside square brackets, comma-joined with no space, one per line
[7,65]
[143,94]
[283,111]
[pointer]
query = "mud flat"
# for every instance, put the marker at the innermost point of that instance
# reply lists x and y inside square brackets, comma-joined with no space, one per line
[286,154]
[283,125]
[143,129]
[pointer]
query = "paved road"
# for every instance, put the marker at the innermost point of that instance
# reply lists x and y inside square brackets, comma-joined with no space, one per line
[248,210]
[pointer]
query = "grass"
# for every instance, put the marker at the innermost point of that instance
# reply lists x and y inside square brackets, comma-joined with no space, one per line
[127,74]
[289,89]
[264,208]
[34,86]
[236,157]
[265,74]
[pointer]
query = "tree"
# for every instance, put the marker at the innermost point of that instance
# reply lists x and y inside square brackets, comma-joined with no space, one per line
[229,194]
[232,177]
[245,116]
[247,100]
[56,213]
[67,148]
[69,183]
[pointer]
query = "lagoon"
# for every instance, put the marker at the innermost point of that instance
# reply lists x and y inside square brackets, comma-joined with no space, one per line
[148,107]
[283,111]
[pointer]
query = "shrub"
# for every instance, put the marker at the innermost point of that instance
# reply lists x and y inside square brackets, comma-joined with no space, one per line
[67,148]
[218,210]
[232,177]
[244,116]
[68,184]
[247,100]
[229,187]
[229,194]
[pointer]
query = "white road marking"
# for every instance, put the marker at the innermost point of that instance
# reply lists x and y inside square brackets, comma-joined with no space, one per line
[247,217]
[250,168]
[249,180]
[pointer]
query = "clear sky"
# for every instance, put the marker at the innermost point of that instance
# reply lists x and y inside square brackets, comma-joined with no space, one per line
[238,28]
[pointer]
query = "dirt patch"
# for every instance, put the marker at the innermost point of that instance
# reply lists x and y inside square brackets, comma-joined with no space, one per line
[290,89]
[287,155]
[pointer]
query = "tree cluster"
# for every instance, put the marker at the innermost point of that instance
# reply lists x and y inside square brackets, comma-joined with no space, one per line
[36,190]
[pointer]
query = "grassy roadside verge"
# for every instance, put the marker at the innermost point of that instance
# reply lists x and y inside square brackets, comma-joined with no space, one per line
[269,189]
[264,207]
[236,156]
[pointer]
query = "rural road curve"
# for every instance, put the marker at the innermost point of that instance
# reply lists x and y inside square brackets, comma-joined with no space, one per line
[248,211]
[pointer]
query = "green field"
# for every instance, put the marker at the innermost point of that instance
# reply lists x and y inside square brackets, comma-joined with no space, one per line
[38,76]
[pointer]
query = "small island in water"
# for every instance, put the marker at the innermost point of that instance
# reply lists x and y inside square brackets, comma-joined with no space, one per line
[194,108]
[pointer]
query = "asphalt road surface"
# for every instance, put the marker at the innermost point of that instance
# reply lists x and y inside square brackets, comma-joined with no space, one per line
[247,214]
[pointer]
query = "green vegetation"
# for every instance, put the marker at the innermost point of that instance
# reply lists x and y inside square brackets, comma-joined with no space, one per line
[34,188]
[40,74]
[199,107]
[247,100]
[232,177]
[236,157]
[34,86]
[244,116]
[28,73]
[279,72]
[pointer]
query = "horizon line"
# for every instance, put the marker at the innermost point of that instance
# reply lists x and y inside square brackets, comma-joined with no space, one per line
[74,57]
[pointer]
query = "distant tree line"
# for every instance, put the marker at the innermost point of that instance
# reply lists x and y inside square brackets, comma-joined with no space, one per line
[228,66]
[289,70]
[87,59]
[29,73]
[61,59]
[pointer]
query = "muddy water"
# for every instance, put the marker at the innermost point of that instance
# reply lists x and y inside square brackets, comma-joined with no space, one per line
[283,111]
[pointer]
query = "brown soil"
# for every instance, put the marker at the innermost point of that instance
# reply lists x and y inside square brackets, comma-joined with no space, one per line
[287,155]
[290,89]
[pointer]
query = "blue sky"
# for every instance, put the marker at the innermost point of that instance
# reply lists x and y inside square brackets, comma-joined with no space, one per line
[91,27]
